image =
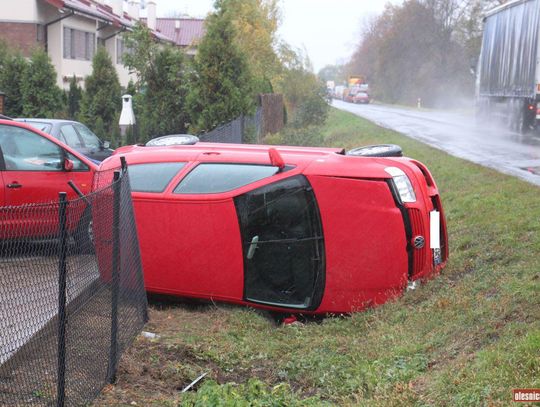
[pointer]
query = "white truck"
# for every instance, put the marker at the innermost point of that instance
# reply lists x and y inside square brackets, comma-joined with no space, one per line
[508,73]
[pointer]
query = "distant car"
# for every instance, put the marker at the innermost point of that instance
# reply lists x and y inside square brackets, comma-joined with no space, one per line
[290,229]
[34,168]
[74,134]
[361,97]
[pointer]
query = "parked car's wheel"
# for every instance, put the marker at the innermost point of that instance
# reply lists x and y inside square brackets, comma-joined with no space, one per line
[84,235]
[377,150]
[172,140]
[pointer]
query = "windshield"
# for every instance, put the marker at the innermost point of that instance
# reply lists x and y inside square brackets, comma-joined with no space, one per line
[89,138]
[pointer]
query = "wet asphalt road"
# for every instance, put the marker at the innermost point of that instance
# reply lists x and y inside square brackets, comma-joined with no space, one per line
[460,135]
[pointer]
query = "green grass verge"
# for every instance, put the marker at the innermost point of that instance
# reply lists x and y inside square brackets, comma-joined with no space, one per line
[466,338]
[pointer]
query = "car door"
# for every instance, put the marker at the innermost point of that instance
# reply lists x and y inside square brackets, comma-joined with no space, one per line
[283,245]
[33,173]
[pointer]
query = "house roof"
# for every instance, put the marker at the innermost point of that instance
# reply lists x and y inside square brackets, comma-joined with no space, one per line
[103,13]
[190,30]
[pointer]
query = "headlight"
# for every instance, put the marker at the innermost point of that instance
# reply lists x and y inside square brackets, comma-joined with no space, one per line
[403,184]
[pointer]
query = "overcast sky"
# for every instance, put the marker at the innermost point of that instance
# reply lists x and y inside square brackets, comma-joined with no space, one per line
[327,29]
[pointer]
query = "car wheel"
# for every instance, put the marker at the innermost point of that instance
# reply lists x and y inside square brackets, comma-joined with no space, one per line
[84,235]
[377,150]
[173,140]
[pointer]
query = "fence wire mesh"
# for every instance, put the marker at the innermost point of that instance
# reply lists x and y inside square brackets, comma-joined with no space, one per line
[72,295]
[240,130]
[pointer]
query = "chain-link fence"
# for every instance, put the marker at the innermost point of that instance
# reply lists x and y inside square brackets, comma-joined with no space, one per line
[72,295]
[243,129]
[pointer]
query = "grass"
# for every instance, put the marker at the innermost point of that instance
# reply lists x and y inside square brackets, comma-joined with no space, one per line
[466,338]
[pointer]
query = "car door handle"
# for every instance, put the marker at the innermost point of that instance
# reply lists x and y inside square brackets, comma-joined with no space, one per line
[252,247]
[14,185]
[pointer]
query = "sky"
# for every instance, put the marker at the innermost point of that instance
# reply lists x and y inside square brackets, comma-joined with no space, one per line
[327,29]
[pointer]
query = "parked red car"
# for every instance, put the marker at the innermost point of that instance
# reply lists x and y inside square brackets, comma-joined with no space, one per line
[34,168]
[296,229]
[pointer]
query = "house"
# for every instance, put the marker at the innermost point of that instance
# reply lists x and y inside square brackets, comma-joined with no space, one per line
[71,30]
[185,32]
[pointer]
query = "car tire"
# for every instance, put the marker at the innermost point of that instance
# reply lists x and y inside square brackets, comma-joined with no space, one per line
[377,150]
[84,235]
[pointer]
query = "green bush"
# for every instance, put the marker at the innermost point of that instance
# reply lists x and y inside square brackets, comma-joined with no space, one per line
[12,74]
[41,96]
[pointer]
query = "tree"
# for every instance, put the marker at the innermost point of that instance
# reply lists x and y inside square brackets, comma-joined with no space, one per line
[12,75]
[74,97]
[162,81]
[410,52]
[164,110]
[40,95]
[222,86]
[142,56]
[256,23]
[103,93]
[332,73]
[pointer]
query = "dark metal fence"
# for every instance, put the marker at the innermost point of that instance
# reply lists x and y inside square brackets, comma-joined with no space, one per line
[72,295]
[240,130]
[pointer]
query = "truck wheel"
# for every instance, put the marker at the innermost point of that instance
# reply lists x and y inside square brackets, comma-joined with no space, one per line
[377,150]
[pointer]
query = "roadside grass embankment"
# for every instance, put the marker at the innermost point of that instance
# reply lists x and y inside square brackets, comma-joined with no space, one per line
[465,338]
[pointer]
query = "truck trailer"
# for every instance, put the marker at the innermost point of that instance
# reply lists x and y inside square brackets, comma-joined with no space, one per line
[508,74]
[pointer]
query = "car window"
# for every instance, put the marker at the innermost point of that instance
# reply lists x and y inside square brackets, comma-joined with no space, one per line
[90,139]
[44,127]
[78,165]
[152,177]
[71,136]
[27,151]
[215,178]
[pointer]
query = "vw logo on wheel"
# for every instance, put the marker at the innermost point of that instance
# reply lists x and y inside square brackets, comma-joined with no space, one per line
[419,242]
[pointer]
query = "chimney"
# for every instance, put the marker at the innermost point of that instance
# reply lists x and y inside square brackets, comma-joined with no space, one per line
[117,6]
[151,14]
[134,9]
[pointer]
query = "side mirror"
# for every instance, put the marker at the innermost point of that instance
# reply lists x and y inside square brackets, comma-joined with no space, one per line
[68,165]
[106,144]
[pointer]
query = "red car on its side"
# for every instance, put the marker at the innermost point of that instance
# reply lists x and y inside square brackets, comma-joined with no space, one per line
[295,229]
[34,168]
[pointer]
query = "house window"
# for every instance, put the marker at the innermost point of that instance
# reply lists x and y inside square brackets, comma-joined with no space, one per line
[79,44]
[121,50]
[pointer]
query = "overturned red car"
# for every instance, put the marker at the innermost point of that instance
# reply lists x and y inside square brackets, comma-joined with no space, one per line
[294,229]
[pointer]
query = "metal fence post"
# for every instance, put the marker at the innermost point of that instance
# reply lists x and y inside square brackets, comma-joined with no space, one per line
[62,278]
[113,355]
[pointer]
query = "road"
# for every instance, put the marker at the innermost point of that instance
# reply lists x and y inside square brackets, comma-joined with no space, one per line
[460,135]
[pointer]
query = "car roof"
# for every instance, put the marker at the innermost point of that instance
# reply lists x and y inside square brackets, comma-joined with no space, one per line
[51,121]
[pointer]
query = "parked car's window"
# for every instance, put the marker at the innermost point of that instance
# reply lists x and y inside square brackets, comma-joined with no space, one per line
[44,127]
[70,136]
[27,151]
[90,139]
[152,177]
[216,178]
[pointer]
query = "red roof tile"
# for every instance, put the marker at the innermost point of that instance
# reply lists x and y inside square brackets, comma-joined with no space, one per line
[190,30]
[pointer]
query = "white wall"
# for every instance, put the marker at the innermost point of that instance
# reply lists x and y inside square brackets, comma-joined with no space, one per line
[69,67]
[19,10]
